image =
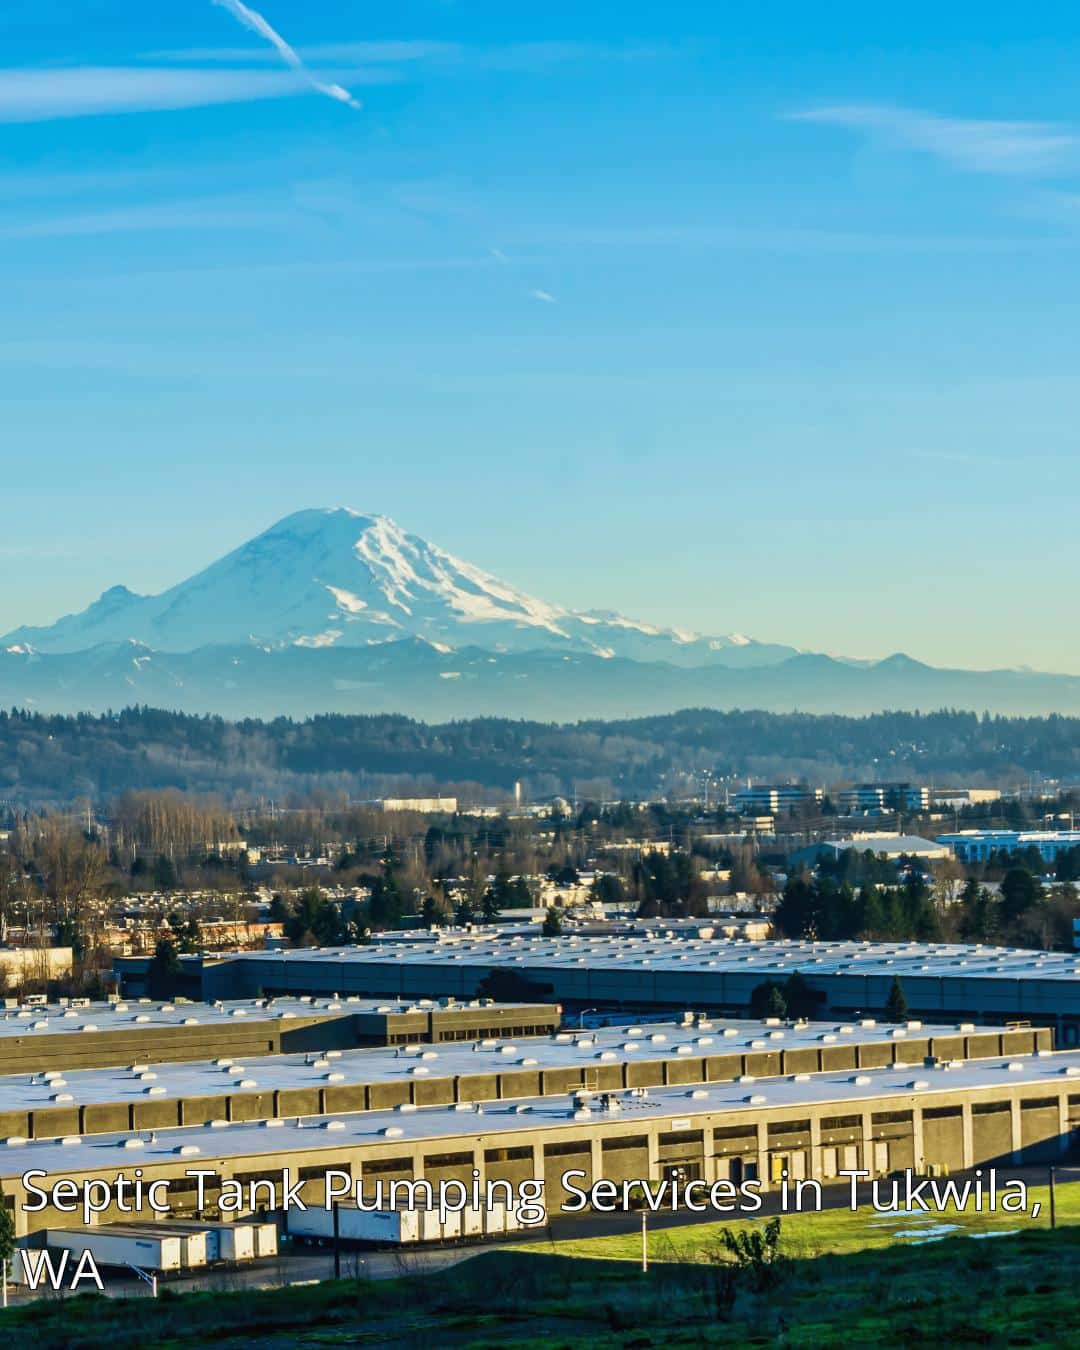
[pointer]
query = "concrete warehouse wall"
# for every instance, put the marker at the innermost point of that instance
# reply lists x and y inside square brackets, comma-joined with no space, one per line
[1017,1124]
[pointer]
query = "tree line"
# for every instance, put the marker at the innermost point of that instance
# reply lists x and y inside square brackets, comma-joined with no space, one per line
[58,758]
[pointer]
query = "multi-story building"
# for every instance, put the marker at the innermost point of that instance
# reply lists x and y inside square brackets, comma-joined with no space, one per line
[775,799]
[877,798]
[428,806]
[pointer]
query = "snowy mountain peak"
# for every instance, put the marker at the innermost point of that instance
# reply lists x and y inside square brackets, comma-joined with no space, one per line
[335,577]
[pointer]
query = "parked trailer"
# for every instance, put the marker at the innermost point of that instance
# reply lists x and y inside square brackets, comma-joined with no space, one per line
[394,1227]
[193,1242]
[224,1241]
[266,1239]
[115,1246]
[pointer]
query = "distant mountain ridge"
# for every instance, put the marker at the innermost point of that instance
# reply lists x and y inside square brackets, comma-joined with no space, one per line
[334,611]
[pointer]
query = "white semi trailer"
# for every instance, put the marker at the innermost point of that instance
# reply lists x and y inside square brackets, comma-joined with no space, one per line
[194,1243]
[224,1241]
[119,1246]
[396,1227]
[266,1238]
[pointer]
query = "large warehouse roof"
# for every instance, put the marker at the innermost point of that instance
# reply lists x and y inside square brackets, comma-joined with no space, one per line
[104,1153]
[267,1073]
[678,953]
[127,1014]
[946,982]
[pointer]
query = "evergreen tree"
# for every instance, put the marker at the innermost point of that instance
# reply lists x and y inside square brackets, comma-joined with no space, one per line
[1019,892]
[163,974]
[190,935]
[552,925]
[607,889]
[767,1000]
[896,1009]
[68,935]
[165,876]
[979,917]
[502,892]
[315,922]
[7,1238]
[871,921]
[386,904]
[800,998]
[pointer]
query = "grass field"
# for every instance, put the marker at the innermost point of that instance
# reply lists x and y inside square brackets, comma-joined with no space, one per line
[1017,1290]
[832,1232]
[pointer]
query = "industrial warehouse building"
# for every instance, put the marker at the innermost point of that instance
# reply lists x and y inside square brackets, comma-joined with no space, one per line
[151,1096]
[974,846]
[943,982]
[944,1117]
[39,1036]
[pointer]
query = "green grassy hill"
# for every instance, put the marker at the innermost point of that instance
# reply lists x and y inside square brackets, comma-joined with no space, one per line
[1018,1289]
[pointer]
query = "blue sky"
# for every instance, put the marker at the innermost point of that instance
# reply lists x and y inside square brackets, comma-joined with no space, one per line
[759,321]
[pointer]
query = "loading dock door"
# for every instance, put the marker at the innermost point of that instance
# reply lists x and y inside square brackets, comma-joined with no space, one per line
[794,1164]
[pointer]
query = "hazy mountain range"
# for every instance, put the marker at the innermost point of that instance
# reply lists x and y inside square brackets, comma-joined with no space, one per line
[333,611]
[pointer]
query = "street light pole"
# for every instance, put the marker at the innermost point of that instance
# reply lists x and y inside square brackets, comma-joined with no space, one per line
[644,1240]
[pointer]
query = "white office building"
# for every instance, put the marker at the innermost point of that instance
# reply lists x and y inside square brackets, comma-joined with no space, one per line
[981,845]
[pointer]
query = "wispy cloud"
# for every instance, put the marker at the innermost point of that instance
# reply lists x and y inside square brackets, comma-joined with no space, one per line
[545,296]
[518,57]
[363,53]
[781,239]
[973,144]
[94,91]
[86,91]
[136,218]
[252,19]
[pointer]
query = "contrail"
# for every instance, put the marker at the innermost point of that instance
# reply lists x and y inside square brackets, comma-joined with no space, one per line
[252,19]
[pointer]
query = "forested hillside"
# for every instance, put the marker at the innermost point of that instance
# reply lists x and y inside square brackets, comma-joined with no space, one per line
[62,758]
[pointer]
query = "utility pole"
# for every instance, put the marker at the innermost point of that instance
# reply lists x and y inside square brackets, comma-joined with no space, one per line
[1053,1204]
[337,1242]
[644,1241]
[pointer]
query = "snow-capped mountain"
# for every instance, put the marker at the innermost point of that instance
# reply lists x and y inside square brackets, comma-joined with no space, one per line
[336,578]
[332,611]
